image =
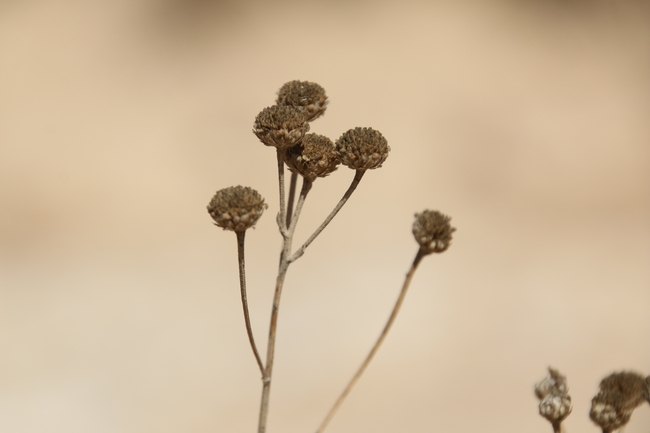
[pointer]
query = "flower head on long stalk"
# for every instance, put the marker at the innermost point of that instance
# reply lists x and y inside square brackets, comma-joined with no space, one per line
[362,148]
[281,126]
[236,208]
[432,231]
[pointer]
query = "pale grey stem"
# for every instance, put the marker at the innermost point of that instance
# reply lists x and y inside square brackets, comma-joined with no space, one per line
[283,211]
[292,195]
[355,182]
[244,299]
[382,336]
[282,271]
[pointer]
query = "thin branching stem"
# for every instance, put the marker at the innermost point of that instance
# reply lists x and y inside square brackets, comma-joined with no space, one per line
[355,182]
[282,271]
[292,196]
[382,336]
[244,299]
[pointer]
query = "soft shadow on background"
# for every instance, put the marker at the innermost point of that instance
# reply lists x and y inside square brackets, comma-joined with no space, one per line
[526,121]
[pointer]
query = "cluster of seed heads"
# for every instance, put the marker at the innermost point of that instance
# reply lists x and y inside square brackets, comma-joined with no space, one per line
[285,126]
[619,394]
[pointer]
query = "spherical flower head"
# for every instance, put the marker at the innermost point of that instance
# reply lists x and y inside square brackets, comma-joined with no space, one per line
[310,97]
[280,126]
[553,384]
[432,231]
[314,157]
[555,408]
[362,148]
[236,208]
[606,412]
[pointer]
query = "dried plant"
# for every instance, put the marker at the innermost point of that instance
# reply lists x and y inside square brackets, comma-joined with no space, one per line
[285,126]
[611,409]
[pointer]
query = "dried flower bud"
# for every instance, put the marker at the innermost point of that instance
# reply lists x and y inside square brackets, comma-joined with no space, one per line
[314,157]
[280,126]
[362,148]
[553,384]
[308,96]
[236,208]
[432,231]
[606,414]
[555,408]
[629,386]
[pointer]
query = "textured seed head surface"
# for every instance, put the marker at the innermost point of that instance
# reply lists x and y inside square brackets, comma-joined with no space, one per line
[432,231]
[314,157]
[306,95]
[280,126]
[236,208]
[362,148]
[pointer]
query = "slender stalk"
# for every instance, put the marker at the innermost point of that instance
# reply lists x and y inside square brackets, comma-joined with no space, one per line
[282,271]
[244,299]
[355,182]
[292,195]
[283,211]
[557,427]
[382,336]
[268,372]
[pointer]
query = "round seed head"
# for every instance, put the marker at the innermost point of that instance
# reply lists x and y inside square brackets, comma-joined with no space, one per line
[432,231]
[362,148]
[555,408]
[314,157]
[236,208]
[308,96]
[607,413]
[280,126]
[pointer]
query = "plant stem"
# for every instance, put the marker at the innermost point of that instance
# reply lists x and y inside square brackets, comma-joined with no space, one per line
[282,271]
[557,427]
[244,301]
[355,182]
[292,195]
[283,211]
[382,336]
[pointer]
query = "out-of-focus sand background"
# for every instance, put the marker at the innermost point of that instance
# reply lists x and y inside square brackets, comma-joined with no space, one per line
[526,121]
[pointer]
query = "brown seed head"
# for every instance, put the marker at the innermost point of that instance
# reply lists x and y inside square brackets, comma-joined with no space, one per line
[629,386]
[314,157]
[280,126]
[308,96]
[607,413]
[362,148]
[432,231]
[236,208]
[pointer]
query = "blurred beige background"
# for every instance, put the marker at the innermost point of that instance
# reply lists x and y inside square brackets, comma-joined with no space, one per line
[526,121]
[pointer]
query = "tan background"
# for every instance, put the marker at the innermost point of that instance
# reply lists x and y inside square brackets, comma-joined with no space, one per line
[526,121]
